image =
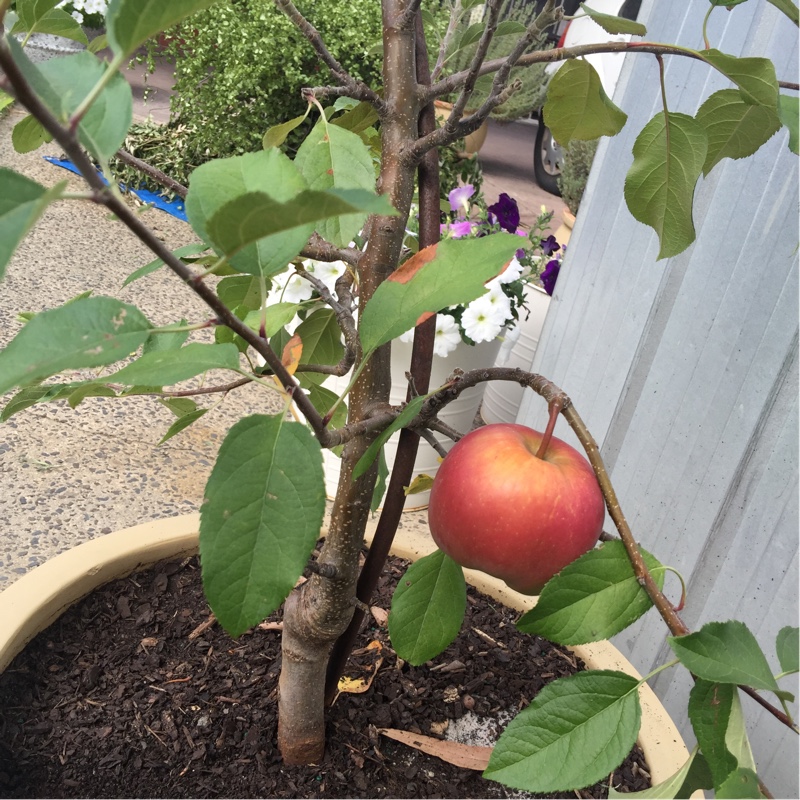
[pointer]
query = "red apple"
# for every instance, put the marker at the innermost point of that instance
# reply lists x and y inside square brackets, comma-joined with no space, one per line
[498,508]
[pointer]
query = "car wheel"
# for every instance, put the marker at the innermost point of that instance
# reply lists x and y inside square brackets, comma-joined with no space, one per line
[547,157]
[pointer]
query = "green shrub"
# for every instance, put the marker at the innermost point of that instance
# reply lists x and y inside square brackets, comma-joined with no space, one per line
[240,66]
[578,157]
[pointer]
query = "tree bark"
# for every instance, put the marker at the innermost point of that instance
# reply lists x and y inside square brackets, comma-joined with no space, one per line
[318,613]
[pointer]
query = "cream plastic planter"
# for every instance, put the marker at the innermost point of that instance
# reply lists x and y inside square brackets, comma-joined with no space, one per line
[38,598]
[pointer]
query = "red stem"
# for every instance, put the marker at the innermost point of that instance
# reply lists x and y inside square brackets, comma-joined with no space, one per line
[554,407]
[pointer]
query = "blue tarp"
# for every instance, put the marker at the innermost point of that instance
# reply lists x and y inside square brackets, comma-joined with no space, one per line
[175,207]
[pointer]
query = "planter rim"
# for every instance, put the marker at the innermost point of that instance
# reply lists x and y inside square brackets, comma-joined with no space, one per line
[40,596]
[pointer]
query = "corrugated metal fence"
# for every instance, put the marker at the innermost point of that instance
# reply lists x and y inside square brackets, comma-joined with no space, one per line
[686,370]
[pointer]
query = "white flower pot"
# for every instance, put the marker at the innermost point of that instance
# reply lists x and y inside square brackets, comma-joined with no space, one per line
[39,598]
[502,399]
[459,414]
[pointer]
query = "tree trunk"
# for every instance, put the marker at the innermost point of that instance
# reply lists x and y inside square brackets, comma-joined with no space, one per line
[319,612]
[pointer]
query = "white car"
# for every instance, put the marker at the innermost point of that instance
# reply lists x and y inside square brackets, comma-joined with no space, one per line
[547,154]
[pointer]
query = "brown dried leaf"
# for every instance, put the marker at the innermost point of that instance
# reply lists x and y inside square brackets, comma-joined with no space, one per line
[381,615]
[461,755]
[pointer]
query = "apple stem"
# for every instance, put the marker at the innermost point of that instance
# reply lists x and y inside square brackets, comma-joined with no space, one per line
[554,407]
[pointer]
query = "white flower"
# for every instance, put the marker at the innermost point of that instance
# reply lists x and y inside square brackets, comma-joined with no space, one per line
[447,336]
[511,273]
[408,336]
[496,299]
[327,271]
[483,319]
[289,287]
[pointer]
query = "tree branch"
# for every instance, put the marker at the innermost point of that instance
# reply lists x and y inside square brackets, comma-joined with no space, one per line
[354,87]
[152,172]
[109,197]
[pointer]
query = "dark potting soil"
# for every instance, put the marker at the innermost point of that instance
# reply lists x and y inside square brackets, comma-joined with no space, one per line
[123,697]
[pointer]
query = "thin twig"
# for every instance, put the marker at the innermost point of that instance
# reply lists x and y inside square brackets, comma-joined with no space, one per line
[355,88]
[152,172]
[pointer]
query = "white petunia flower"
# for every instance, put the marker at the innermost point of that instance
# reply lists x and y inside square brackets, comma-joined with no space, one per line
[448,335]
[483,319]
[408,336]
[289,287]
[328,272]
[496,299]
[511,272]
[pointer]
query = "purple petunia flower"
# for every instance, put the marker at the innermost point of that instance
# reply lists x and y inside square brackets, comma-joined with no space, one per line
[506,212]
[457,229]
[459,198]
[550,275]
[550,245]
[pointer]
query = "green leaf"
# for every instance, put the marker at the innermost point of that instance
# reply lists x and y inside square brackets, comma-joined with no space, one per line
[789,112]
[574,733]
[452,272]
[164,367]
[5,100]
[276,135]
[736,736]
[36,18]
[755,77]
[131,23]
[577,106]
[787,646]
[614,25]
[725,652]
[22,202]
[28,135]
[594,598]
[103,128]
[32,395]
[179,406]
[788,8]
[428,608]
[274,317]
[709,712]
[403,418]
[693,775]
[735,129]
[220,182]
[89,389]
[470,35]
[323,399]
[186,250]
[357,119]
[509,27]
[182,423]
[322,344]
[91,332]
[166,341]
[331,157]
[741,783]
[240,291]
[659,187]
[380,483]
[263,512]
[254,216]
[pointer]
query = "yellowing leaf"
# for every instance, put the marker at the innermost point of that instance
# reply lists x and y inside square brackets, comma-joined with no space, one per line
[422,483]
[292,353]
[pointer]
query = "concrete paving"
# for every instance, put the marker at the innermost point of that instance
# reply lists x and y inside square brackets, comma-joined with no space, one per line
[66,475]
